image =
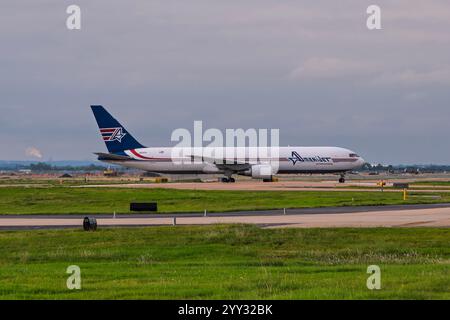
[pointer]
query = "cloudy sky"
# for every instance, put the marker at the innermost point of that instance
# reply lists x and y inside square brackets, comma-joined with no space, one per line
[310,68]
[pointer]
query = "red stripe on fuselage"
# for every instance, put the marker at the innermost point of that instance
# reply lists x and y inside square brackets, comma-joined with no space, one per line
[133,151]
[137,154]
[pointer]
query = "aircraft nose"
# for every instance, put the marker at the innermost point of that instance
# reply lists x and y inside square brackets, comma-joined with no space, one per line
[361,161]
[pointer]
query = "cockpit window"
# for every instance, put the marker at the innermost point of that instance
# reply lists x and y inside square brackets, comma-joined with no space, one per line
[353,155]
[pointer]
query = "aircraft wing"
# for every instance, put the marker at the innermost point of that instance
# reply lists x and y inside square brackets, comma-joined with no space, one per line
[222,163]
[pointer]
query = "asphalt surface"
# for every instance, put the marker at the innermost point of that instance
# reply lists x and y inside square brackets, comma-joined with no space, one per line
[297,211]
[355,216]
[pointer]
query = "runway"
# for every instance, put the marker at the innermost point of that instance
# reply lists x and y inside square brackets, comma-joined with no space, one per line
[435,215]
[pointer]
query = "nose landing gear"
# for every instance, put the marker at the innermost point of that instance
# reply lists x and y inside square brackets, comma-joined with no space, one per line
[342,178]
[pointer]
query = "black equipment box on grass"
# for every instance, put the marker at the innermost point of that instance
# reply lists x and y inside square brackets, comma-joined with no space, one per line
[143,206]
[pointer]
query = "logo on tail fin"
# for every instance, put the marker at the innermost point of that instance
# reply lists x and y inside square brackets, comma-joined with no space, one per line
[112,134]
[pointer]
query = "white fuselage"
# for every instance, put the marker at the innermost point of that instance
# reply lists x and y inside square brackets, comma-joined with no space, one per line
[284,160]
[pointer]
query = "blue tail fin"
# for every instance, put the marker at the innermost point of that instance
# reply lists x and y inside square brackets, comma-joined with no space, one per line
[115,136]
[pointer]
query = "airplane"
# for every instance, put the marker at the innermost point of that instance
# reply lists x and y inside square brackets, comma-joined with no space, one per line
[125,150]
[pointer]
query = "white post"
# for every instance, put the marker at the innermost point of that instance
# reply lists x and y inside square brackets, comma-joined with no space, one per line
[205,213]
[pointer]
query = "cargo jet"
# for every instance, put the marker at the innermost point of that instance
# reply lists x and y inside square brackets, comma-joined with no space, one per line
[126,151]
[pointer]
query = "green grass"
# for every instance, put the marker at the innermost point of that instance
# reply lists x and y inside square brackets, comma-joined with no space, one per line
[432,183]
[226,262]
[65,200]
[74,181]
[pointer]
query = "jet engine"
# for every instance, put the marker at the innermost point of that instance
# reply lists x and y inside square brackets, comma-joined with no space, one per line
[260,171]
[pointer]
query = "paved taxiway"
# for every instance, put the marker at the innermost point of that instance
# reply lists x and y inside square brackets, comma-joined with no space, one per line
[435,215]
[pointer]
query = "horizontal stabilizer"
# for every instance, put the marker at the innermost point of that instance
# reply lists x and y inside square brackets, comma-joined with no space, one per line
[110,156]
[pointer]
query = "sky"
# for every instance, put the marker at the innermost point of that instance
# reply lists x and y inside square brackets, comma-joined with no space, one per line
[311,69]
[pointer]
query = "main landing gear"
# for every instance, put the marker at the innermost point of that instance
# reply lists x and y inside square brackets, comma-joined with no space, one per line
[227,179]
[342,178]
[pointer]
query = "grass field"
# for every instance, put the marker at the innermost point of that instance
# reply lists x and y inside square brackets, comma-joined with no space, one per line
[433,183]
[73,181]
[221,262]
[66,200]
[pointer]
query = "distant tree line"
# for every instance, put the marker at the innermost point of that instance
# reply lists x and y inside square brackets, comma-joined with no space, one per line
[43,167]
[405,168]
